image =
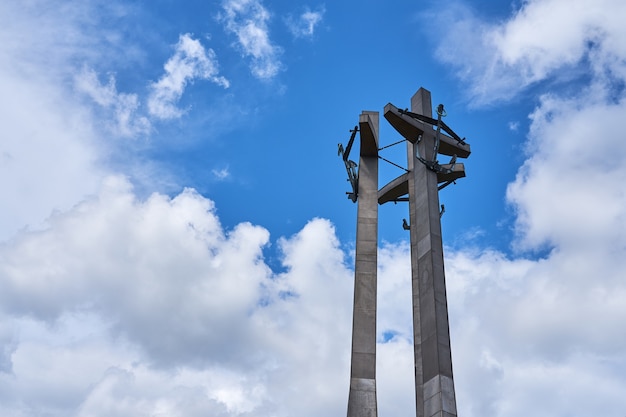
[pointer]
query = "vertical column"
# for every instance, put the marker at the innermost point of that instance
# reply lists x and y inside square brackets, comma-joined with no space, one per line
[362,397]
[434,388]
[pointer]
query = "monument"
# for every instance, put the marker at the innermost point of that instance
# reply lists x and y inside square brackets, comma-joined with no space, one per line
[426,139]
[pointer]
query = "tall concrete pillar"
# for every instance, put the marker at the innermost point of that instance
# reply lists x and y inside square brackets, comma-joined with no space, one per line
[362,397]
[434,387]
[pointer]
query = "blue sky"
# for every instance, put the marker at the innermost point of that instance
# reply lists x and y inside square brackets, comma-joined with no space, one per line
[175,237]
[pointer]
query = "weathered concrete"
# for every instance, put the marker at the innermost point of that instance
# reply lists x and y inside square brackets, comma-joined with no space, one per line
[430,315]
[362,397]
[434,386]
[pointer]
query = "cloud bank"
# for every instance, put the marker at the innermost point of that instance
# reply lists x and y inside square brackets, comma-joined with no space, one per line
[49,150]
[132,306]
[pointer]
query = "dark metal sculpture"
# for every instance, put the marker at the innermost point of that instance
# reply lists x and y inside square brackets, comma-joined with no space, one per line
[350,165]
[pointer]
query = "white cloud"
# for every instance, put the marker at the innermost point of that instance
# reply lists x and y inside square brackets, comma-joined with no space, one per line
[544,39]
[160,310]
[49,155]
[162,280]
[304,25]
[221,174]
[542,331]
[49,34]
[49,149]
[189,62]
[57,145]
[122,105]
[573,176]
[536,332]
[247,20]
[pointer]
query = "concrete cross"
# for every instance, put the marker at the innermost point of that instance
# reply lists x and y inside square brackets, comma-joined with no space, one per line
[434,385]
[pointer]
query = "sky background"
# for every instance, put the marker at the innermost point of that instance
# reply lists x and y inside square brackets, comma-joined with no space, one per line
[175,238]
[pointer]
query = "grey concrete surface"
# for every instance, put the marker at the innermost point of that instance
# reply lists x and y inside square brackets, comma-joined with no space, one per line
[362,397]
[434,384]
[430,315]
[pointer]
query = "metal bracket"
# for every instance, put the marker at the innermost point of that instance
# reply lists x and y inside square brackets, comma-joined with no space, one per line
[444,185]
[434,164]
[433,122]
[351,166]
